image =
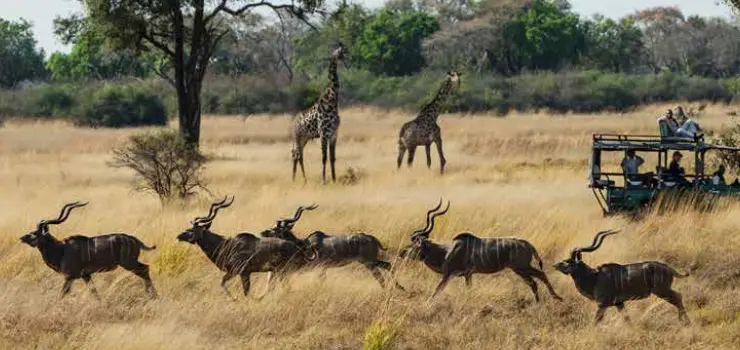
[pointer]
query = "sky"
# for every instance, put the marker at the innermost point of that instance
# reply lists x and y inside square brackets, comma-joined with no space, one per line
[42,12]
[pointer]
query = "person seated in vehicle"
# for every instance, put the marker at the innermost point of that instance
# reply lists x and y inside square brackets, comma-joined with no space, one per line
[675,170]
[631,167]
[683,128]
[689,128]
[718,177]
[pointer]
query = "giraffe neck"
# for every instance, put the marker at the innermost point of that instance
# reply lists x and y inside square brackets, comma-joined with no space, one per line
[431,109]
[330,95]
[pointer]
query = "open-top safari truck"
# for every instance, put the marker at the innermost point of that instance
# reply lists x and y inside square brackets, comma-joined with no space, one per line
[617,193]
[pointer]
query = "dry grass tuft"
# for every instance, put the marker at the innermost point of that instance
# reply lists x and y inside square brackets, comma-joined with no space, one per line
[523,175]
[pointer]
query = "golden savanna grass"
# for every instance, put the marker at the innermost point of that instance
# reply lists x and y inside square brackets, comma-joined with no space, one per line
[523,175]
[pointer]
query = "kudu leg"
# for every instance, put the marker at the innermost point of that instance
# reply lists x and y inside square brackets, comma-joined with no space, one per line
[530,282]
[225,279]
[441,286]
[66,286]
[246,283]
[91,286]
[468,280]
[620,308]
[676,300]
[387,266]
[142,270]
[543,277]
[600,313]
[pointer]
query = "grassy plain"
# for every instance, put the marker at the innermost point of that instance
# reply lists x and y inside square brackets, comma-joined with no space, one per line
[523,175]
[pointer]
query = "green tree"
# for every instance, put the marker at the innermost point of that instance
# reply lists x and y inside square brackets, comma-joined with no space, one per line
[553,36]
[19,58]
[186,32]
[91,59]
[615,46]
[345,25]
[391,41]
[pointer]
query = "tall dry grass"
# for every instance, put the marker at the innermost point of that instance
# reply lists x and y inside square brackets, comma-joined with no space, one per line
[524,176]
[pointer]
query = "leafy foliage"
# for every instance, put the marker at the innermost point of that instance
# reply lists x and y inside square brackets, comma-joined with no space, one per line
[19,58]
[116,107]
[90,59]
[390,44]
[164,164]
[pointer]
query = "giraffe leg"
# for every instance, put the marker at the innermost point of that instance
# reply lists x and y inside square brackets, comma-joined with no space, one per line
[442,160]
[333,158]
[324,145]
[295,161]
[427,148]
[401,152]
[412,152]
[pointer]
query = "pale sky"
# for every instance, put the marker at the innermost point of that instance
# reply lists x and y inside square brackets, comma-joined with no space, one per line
[42,12]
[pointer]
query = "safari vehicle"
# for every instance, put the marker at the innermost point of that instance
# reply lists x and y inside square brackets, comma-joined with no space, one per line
[617,193]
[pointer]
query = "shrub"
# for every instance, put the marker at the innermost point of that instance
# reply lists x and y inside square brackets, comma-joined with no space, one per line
[164,164]
[121,106]
[728,137]
[380,336]
[46,100]
[172,260]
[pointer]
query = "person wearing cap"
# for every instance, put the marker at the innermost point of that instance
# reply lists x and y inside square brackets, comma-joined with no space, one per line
[675,170]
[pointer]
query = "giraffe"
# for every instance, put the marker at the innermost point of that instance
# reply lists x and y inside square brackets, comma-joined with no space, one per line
[423,130]
[320,121]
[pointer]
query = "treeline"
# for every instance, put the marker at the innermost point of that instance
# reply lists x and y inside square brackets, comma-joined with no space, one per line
[518,54]
[140,102]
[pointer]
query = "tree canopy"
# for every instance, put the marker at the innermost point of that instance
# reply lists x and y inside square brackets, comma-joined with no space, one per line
[19,58]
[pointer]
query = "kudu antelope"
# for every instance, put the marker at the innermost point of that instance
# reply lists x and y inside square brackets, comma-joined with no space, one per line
[336,251]
[244,253]
[468,254]
[80,256]
[615,284]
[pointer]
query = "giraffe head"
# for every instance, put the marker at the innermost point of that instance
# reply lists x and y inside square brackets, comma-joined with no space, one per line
[339,53]
[454,76]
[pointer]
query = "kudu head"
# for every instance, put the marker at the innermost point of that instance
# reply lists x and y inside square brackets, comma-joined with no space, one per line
[202,224]
[420,238]
[575,262]
[283,228]
[42,229]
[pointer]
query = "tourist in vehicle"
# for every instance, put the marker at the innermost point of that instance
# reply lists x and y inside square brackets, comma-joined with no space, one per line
[689,128]
[718,178]
[676,171]
[681,128]
[631,163]
[631,167]
[670,122]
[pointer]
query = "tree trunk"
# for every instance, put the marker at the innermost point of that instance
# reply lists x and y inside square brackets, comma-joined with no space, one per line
[189,115]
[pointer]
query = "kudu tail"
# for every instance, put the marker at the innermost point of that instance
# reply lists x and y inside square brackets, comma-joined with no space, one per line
[537,257]
[676,273]
[144,247]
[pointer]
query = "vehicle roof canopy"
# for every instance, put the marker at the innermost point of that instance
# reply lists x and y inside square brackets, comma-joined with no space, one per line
[653,143]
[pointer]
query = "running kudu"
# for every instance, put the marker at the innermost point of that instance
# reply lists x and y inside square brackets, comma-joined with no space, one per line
[244,253]
[468,254]
[615,284]
[79,256]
